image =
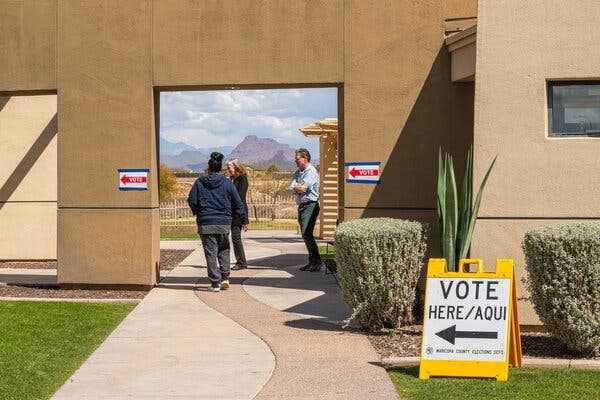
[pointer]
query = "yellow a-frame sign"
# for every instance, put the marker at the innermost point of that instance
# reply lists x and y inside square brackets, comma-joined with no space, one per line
[470,324]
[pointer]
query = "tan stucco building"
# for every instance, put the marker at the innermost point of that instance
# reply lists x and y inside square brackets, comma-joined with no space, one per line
[79,82]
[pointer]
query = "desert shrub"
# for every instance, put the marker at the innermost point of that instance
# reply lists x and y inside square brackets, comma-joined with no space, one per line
[563,263]
[167,183]
[379,261]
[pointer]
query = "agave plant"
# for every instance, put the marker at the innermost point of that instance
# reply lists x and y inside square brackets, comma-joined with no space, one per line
[457,215]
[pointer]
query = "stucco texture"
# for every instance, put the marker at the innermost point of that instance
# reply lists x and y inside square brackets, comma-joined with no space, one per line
[108,246]
[537,180]
[389,58]
[398,106]
[105,102]
[27,45]
[247,42]
[521,45]
[28,137]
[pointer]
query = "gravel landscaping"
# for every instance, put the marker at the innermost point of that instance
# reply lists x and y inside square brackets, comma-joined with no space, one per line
[169,259]
[58,293]
[29,264]
[406,342]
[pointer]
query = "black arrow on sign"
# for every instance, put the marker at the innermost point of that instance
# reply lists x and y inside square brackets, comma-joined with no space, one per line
[451,334]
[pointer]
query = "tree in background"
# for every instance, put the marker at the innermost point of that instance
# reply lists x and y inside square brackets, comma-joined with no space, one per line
[168,183]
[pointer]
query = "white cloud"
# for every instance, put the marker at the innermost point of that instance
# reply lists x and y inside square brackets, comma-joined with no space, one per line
[218,118]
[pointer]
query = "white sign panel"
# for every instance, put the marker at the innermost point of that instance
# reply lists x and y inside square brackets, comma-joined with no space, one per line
[133,179]
[466,319]
[363,172]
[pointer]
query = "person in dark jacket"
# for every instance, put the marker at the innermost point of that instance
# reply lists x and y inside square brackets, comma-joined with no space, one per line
[215,201]
[237,174]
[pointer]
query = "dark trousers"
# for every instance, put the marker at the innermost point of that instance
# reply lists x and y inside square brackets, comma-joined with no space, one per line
[216,251]
[307,216]
[238,246]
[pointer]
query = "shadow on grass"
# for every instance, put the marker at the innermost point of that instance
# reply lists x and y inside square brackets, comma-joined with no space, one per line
[411,371]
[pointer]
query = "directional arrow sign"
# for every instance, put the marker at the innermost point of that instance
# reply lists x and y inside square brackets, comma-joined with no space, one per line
[451,334]
[466,318]
[363,172]
[133,179]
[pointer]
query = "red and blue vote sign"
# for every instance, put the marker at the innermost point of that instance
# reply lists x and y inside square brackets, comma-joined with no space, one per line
[133,178]
[363,172]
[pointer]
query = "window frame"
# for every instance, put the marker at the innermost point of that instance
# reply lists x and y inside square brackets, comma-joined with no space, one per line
[550,84]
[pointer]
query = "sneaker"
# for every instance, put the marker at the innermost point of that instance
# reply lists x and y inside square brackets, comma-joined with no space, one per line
[316,267]
[238,267]
[225,284]
[215,288]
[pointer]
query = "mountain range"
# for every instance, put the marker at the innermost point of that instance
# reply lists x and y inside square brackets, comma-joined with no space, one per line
[252,150]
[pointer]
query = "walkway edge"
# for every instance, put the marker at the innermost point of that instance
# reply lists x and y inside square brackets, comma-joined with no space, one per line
[262,339]
[70,300]
[528,362]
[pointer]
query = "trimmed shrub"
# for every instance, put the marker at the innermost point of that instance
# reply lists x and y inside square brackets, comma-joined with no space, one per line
[379,262]
[563,262]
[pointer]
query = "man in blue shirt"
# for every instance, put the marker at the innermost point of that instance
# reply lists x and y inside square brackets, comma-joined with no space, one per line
[305,185]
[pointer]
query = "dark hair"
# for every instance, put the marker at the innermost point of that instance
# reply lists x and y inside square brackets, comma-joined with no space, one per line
[303,153]
[215,163]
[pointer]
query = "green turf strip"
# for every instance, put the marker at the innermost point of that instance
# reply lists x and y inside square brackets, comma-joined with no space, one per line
[525,383]
[43,343]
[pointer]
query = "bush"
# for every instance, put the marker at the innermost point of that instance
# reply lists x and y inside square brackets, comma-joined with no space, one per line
[167,183]
[379,262]
[563,262]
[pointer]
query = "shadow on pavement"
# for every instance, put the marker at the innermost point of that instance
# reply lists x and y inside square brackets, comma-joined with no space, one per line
[315,325]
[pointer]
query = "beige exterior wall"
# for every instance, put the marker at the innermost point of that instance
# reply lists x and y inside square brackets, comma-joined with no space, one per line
[399,103]
[27,45]
[537,180]
[114,246]
[248,42]
[28,140]
[460,9]
[106,117]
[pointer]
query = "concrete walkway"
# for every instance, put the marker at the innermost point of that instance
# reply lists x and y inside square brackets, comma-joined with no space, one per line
[274,334]
[298,315]
[173,346]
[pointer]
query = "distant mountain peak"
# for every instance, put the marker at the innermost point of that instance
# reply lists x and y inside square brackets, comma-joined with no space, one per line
[260,152]
[263,152]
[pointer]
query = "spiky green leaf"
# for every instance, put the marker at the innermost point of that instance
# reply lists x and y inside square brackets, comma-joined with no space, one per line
[475,212]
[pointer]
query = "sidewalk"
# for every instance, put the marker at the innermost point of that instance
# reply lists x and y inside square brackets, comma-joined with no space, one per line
[173,346]
[273,336]
[316,359]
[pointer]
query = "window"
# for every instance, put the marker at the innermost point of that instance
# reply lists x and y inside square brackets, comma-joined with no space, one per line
[574,108]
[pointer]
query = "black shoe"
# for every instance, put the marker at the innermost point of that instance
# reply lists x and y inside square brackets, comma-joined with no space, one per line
[307,267]
[316,267]
[238,267]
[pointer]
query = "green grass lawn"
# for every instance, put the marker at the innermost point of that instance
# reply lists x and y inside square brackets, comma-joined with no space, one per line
[525,383]
[179,236]
[254,226]
[43,343]
[327,251]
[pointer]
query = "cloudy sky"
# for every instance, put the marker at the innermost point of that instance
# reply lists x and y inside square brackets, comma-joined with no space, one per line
[225,117]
